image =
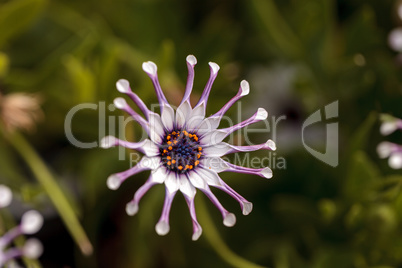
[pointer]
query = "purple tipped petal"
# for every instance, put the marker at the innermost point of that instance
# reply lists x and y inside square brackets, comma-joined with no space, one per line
[121,104]
[260,115]
[214,73]
[182,113]
[132,206]
[124,87]
[197,230]
[156,129]
[168,117]
[151,69]
[146,146]
[186,187]
[115,180]
[223,148]
[243,91]
[196,117]
[262,172]
[162,227]
[191,62]
[10,254]
[245,205]
[10,236]
[228,218]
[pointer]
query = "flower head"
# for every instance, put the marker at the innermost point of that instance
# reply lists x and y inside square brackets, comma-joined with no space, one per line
[185,147]
[393,151]
[31,222]
[20,111]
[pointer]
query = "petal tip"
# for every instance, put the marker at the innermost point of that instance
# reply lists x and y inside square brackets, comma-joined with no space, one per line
[120,103]
[262,114]
[214,67]
[5,196]
[150,68]
[107,142]
[113,182]
[266,173]
[395,161]
[33,248]
[244,87]
[162,228]
[229,220]
[131,208]
[31,222]
[271,145]
[123,86]
[197,234]
[247,208]
[192,60]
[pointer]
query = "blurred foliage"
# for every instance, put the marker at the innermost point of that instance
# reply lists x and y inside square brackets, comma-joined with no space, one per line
[309,215]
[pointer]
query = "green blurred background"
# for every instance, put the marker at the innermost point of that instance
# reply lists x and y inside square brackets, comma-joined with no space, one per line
[298,56]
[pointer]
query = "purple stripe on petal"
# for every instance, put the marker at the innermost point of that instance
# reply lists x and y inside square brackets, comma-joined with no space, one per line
[115,180]
[197,230]
[162,227]
[10,254]
[191,62]
[205,94]
[9,236]
[245,205]
[243,91]
[261,114]
[123,86]
[228,218]
[262,172]
[121,104]
[224,148]
[150,68]
[132,206]
[146,146]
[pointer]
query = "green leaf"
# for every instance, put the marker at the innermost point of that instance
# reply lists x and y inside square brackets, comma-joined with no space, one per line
[16,16]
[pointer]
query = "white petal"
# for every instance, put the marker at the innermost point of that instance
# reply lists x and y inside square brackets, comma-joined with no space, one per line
[196,117]
[208,124]
[385,148]
[215,67]
[229,220]
[150,148]
[245,88]
[196,180]
[33,248]
[120,103]
[113,182]
[186,187]
[271,144]
[182,114]
[5,196]
[214,163]
[217,150]
[247,208]
[156,130]
[31,222]
[172,183]
[191,59]
[131,208]
[168,117]
[262,114]
[209,176]
[108,142]
[197,234]
[213,137]
[159,175]
[149,67]
[395,161]
[123,86]
[162,228]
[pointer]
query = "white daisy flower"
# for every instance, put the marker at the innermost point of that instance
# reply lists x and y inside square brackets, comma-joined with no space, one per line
[185,147]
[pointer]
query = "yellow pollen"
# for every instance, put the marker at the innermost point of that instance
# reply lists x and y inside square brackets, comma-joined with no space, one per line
[191,167]
[190,135]
[199,149]
[169,163]
[169,142]
[173,161]
[180,167]
[165,151]
[169,158]
[170,148]
[174,133]
[198,156]
[195,138]
[168,137]
[196,162]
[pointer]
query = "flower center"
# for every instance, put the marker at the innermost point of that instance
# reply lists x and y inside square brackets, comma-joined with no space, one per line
[180,151]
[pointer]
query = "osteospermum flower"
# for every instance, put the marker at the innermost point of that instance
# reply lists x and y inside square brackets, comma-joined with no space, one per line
[31,222]
[184,148]
[385,149]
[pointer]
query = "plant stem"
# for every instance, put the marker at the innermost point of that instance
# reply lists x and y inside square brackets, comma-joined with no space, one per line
[48,182]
